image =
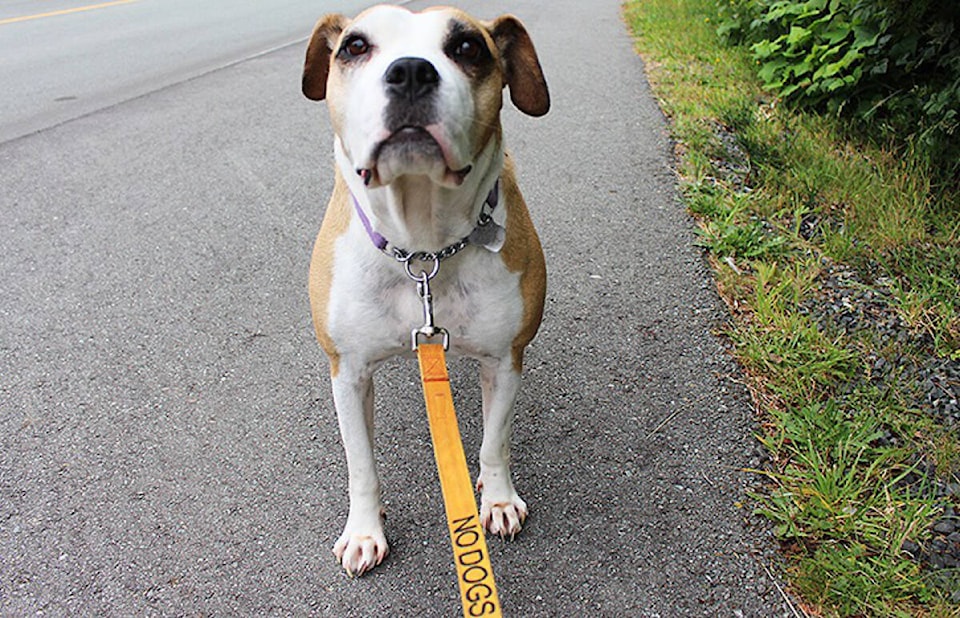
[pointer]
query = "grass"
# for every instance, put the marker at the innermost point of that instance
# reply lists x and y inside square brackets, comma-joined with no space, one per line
[785,200]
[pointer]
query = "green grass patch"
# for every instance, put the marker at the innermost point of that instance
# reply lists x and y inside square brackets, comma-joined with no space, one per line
[927,291]
[821,239]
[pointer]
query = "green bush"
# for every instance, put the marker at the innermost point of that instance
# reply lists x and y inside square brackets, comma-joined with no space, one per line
[892,64]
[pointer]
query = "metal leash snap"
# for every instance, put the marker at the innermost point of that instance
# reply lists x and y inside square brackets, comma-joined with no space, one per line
[429,329]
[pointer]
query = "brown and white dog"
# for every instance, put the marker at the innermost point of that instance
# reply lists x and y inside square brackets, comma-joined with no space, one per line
[415,100]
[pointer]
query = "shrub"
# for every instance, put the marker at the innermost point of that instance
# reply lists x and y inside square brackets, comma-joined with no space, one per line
[892,64]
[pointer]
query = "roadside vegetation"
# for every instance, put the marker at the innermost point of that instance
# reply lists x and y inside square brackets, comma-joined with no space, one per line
[828,202]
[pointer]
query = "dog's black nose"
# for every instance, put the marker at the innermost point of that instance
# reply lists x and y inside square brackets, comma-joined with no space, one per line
[411,78]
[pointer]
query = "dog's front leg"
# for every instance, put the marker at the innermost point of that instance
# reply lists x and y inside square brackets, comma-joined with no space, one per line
[502,511]
[363,544]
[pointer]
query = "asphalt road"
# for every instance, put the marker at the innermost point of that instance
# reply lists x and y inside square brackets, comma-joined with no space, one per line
[168,444]
[61,59]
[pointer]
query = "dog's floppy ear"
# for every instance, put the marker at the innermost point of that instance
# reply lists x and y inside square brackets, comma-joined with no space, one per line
[316,67]
[528,88]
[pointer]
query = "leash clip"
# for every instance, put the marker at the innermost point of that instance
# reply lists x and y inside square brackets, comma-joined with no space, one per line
[429,329]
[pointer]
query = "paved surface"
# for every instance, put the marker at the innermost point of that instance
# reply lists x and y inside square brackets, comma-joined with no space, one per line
[167,438]
[72,57]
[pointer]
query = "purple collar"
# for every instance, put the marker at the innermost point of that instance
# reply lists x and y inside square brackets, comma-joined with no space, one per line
[378,239]
[381,243]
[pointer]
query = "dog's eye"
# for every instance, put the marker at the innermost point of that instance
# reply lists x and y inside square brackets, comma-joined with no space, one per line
[468,50]
[354,47]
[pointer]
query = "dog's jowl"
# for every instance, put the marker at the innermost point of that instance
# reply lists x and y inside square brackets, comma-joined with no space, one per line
[420,169]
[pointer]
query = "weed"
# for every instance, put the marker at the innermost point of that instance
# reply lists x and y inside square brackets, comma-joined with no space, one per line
[728,237]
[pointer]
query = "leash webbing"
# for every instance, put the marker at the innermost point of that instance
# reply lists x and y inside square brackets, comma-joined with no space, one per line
[478,593]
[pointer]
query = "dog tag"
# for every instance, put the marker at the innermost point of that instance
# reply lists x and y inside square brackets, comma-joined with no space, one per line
[489,235]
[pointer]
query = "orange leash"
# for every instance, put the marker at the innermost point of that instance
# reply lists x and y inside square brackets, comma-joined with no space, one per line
[478,592]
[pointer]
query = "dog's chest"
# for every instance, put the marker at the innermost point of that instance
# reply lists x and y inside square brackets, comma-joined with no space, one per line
[374,305]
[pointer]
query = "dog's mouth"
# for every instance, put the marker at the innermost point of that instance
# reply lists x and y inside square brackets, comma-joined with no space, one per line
[412,150]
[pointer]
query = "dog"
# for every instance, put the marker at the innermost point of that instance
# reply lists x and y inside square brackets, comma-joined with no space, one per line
[423,183]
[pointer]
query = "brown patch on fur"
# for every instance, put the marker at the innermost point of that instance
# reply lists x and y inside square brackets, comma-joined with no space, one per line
[316,66]
[335,223]
[522,253]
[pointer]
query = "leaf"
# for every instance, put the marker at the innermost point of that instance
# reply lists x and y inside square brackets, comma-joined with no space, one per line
[798,35]
[764,49]
[836,32]
[800,69]
[881,67]
[770,70]
[864,37]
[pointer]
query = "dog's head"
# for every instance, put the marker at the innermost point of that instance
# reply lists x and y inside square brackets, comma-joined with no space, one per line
[420,93]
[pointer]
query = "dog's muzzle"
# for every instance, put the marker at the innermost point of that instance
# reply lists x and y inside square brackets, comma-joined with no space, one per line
[411,85]
[415,142]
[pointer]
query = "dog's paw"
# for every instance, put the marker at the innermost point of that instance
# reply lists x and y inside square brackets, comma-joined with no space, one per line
[358,551]
[503,517]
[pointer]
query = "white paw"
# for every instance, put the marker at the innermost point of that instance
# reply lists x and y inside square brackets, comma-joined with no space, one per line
[358,551]
[501,512]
